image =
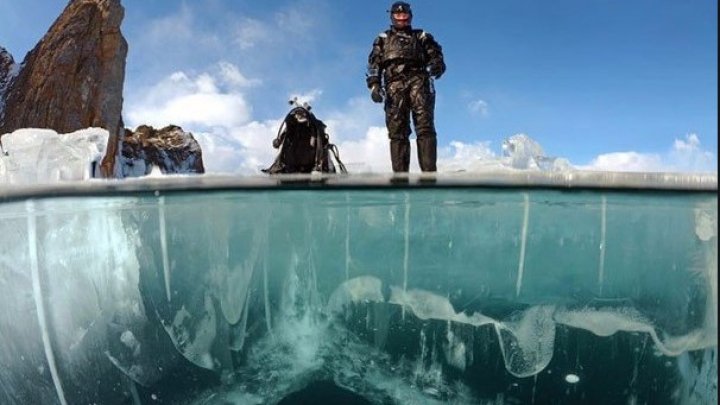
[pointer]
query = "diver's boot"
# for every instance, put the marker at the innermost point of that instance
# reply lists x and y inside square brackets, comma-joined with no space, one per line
[427,153]
[400,155]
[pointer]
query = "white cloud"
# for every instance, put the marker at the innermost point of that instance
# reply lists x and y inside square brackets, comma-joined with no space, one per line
[174,26]
[356,128]
[232,76]
[212,103]
[176,33]
[626,162]
[296,21]
[685,156]
[205,84]
[368,154]
[249,32]
[689,155]
[213,106]
[308,97]
[244,149]
[205,109]
[185,101]
[479,107]
[354,119]
[283,30]
[466,156]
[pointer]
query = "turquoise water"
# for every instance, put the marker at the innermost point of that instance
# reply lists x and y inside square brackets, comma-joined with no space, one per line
[375,295]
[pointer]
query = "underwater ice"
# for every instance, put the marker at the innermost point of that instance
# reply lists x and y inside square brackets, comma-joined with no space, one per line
[404,296]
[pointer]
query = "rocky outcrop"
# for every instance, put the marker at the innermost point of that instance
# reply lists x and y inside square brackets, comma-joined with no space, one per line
[169,149]
[7,67]
[74,77]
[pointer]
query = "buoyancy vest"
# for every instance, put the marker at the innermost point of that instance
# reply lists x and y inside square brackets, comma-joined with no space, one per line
[403,47]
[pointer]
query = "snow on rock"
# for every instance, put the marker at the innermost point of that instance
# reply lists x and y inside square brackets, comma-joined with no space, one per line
[169,150]
[8,70]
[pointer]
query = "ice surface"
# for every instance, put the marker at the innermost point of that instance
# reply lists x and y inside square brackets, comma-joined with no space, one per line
[411,296]
[44,156]
[522,152]
[519,153]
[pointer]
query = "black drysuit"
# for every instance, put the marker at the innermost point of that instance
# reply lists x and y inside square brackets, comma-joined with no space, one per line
[402,62]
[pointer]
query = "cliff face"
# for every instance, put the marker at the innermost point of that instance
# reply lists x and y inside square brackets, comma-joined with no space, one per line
[74,76]
[73,79]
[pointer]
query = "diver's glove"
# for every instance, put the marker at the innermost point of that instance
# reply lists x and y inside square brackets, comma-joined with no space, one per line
[279,140]
[377,94]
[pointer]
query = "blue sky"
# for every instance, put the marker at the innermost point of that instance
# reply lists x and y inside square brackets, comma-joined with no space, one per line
[606,84]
